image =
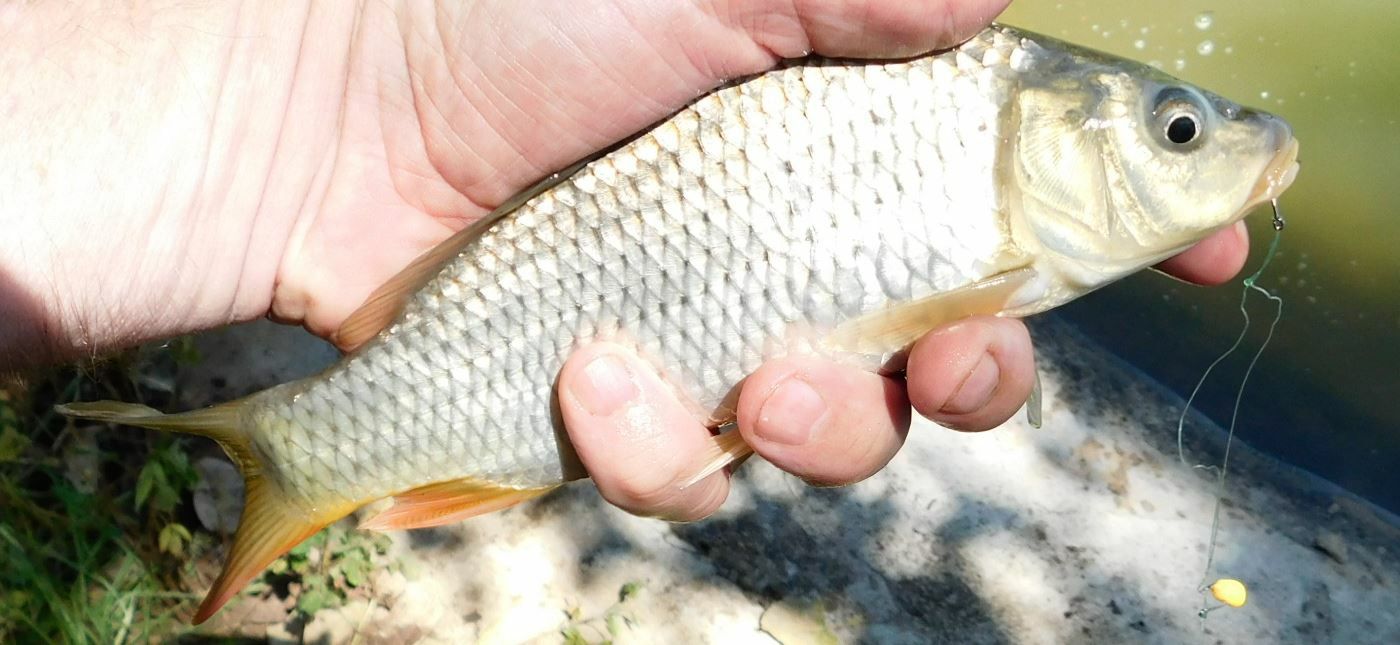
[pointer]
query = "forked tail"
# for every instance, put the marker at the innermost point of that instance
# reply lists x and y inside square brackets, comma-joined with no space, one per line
[270,525]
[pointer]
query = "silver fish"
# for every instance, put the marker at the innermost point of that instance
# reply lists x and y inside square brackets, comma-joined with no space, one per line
[835,207]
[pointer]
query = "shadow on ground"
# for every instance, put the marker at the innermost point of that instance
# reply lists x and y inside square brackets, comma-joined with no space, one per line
[1087,530]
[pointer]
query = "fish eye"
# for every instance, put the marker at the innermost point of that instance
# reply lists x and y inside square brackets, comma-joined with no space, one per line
[1182,129]
[1179,118]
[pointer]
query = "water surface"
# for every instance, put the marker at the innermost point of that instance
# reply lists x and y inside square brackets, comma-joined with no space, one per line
[1327,393]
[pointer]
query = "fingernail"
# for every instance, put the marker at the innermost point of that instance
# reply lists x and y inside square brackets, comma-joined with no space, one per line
[605,387]
[791,413]
[976,390]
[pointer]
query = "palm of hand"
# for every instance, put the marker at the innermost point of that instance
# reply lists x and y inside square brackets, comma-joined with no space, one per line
[459,108]
[450,111]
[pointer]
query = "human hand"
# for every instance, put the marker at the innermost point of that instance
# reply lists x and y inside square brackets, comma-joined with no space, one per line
[231,161]
[827,423]
[342,145]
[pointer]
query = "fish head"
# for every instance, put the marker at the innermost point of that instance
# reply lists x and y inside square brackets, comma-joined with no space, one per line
[1119,166]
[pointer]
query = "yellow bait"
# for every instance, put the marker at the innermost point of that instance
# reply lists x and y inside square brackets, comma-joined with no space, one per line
[1230,591]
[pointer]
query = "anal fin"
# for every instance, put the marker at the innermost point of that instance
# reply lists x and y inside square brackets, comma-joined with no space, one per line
[447,503]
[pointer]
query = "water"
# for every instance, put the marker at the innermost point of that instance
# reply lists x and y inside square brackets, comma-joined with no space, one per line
[1327,394]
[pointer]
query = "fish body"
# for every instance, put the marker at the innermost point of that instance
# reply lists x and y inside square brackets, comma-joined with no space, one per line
[833,207]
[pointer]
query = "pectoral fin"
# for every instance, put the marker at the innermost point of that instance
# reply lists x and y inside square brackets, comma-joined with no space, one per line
[896,327]
[1034,403]
[723,449]
[448,502]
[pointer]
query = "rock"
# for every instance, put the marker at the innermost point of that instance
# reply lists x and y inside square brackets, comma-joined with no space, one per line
[387,585]
[1332,544]
[288,633]
[1013,535]
[218,497]
[794,624]
[338,625]
[81,460]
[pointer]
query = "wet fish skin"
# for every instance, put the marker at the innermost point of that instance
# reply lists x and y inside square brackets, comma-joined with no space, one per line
[759,221]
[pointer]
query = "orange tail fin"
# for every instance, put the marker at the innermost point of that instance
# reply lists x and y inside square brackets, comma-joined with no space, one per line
[270,525]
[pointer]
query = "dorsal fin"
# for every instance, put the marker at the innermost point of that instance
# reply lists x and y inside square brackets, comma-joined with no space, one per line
[387,302]
[448,502]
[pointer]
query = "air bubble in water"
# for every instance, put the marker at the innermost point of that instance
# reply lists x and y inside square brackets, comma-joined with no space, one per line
[1179,64]
[1205,19]
[1205,48]
[1139,44]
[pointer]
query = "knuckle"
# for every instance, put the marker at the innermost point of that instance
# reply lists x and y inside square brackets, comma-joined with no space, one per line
[641,493]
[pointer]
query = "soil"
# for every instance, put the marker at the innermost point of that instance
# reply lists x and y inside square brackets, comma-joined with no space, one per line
[1088,529]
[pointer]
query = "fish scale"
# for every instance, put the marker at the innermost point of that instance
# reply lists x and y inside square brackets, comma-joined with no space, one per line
[617,266]
[837,208]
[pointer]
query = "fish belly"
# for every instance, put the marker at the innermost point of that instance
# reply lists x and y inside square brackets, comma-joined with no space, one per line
[736,231]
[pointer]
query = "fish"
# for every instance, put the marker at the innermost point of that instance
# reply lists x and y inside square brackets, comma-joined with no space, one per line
[841,208]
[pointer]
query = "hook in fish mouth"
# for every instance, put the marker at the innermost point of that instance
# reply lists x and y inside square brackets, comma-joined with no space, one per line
[1275,179]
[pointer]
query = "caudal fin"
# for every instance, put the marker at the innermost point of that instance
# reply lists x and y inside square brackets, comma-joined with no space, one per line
[270,525]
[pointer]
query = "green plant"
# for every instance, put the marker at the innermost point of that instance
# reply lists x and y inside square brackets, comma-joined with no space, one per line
[93,537]
[330,567]
[607,626]
[71,568]
[160,486]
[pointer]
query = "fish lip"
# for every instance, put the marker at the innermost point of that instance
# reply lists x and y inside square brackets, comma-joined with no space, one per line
[1276,178]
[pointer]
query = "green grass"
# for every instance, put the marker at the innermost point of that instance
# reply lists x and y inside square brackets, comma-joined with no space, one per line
[330,567]
[99,542]
[95,541]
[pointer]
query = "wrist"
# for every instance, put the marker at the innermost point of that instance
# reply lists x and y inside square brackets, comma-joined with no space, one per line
[145,174]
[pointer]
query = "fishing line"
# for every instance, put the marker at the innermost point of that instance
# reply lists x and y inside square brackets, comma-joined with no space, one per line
[1230,592]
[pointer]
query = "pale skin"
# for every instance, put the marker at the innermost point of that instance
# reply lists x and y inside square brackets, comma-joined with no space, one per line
[170,169]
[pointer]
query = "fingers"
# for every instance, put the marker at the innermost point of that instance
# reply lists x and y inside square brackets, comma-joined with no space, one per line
[829,424]
[972,375]
[826,423]
[1213,261]
[634,436]
[881,28]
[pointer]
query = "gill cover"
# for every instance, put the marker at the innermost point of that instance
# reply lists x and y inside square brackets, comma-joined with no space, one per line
[1114,169]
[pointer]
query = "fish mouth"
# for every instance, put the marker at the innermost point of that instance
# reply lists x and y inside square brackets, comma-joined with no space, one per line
[1277,176]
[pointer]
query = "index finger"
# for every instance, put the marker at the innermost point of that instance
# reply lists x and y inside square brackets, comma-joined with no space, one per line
[1214,260]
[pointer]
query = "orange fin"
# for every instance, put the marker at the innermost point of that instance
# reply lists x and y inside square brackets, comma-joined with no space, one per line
[447,503]
[220,423]
[723,449]
[896,327]
[270,524]
[268,528]
[387,302]
[384,305]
